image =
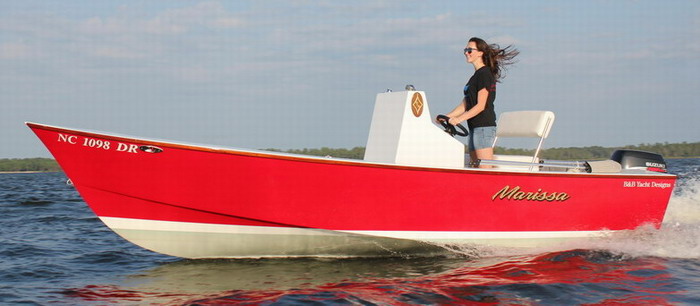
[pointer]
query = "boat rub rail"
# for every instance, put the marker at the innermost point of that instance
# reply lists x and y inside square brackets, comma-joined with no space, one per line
[135,143]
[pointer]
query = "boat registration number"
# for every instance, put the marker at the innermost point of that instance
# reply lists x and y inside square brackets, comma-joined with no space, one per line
[98,143]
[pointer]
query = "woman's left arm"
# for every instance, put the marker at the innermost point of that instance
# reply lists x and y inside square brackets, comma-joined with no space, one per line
[481,97]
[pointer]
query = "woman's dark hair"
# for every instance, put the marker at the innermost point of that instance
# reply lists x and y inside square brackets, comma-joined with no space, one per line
[494,57]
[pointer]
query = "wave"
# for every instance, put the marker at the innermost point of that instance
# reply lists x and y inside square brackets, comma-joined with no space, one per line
[35,202]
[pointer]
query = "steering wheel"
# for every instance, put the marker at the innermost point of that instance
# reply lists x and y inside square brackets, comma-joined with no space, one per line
[450,129]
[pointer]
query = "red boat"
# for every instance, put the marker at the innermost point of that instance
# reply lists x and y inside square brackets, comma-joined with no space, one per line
[411,194]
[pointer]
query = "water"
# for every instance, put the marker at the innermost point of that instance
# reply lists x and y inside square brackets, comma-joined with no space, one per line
[53,250]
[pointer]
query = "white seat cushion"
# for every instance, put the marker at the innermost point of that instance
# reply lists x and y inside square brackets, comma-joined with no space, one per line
[525,124]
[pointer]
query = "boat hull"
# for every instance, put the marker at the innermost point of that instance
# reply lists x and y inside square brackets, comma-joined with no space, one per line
[206,240]
[196,202]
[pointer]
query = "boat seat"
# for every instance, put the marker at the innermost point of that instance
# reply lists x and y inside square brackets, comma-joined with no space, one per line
[523,124]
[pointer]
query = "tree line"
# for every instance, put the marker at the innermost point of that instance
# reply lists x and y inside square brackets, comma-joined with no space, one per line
[29,164]
[354,153]
[668,150]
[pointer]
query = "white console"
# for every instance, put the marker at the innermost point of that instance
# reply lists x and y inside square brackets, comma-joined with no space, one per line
[402,132]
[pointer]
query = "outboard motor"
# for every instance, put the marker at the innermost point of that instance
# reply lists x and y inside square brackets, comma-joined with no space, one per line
[633,159]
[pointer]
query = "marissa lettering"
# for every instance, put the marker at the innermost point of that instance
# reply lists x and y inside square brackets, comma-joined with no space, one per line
[516,194]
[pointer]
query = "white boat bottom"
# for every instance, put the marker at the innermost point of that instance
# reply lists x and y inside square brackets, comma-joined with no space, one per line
[203,240]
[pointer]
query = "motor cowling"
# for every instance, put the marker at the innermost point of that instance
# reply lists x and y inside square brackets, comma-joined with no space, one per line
[634,159]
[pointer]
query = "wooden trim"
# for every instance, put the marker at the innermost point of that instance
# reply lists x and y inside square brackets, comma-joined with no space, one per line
[320,160]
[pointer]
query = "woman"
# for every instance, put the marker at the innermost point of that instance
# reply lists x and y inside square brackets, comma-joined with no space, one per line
[479,95]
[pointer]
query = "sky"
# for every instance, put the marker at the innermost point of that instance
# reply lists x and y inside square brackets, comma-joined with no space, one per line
[305,74]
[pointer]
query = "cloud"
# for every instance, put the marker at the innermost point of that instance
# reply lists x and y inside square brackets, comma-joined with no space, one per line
[115,52]
[227,22]
[382,33]
[123,25]
[504,40]
[16,51]
[175,21]
[205,14]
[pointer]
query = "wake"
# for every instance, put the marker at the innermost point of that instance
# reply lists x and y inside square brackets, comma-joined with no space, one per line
[679,236]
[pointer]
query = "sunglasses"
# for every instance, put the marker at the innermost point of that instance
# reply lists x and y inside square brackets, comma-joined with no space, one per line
[469,50]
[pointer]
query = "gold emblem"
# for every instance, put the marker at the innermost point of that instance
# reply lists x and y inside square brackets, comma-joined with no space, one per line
[417,104]
[516,194]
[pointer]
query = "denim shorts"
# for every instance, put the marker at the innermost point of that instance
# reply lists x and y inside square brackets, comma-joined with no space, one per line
[481,137]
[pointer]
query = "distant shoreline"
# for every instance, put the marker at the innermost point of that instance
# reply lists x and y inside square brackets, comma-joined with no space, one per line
[28,165]
[16,172]
[668,150]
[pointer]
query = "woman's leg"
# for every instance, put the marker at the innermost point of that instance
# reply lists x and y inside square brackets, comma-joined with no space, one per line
[480,144]
[472,159]
[486,153]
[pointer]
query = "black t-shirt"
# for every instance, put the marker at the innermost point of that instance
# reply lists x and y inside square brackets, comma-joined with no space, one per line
[481,79]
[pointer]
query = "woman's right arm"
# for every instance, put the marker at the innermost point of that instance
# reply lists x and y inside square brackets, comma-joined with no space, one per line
[461,108]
